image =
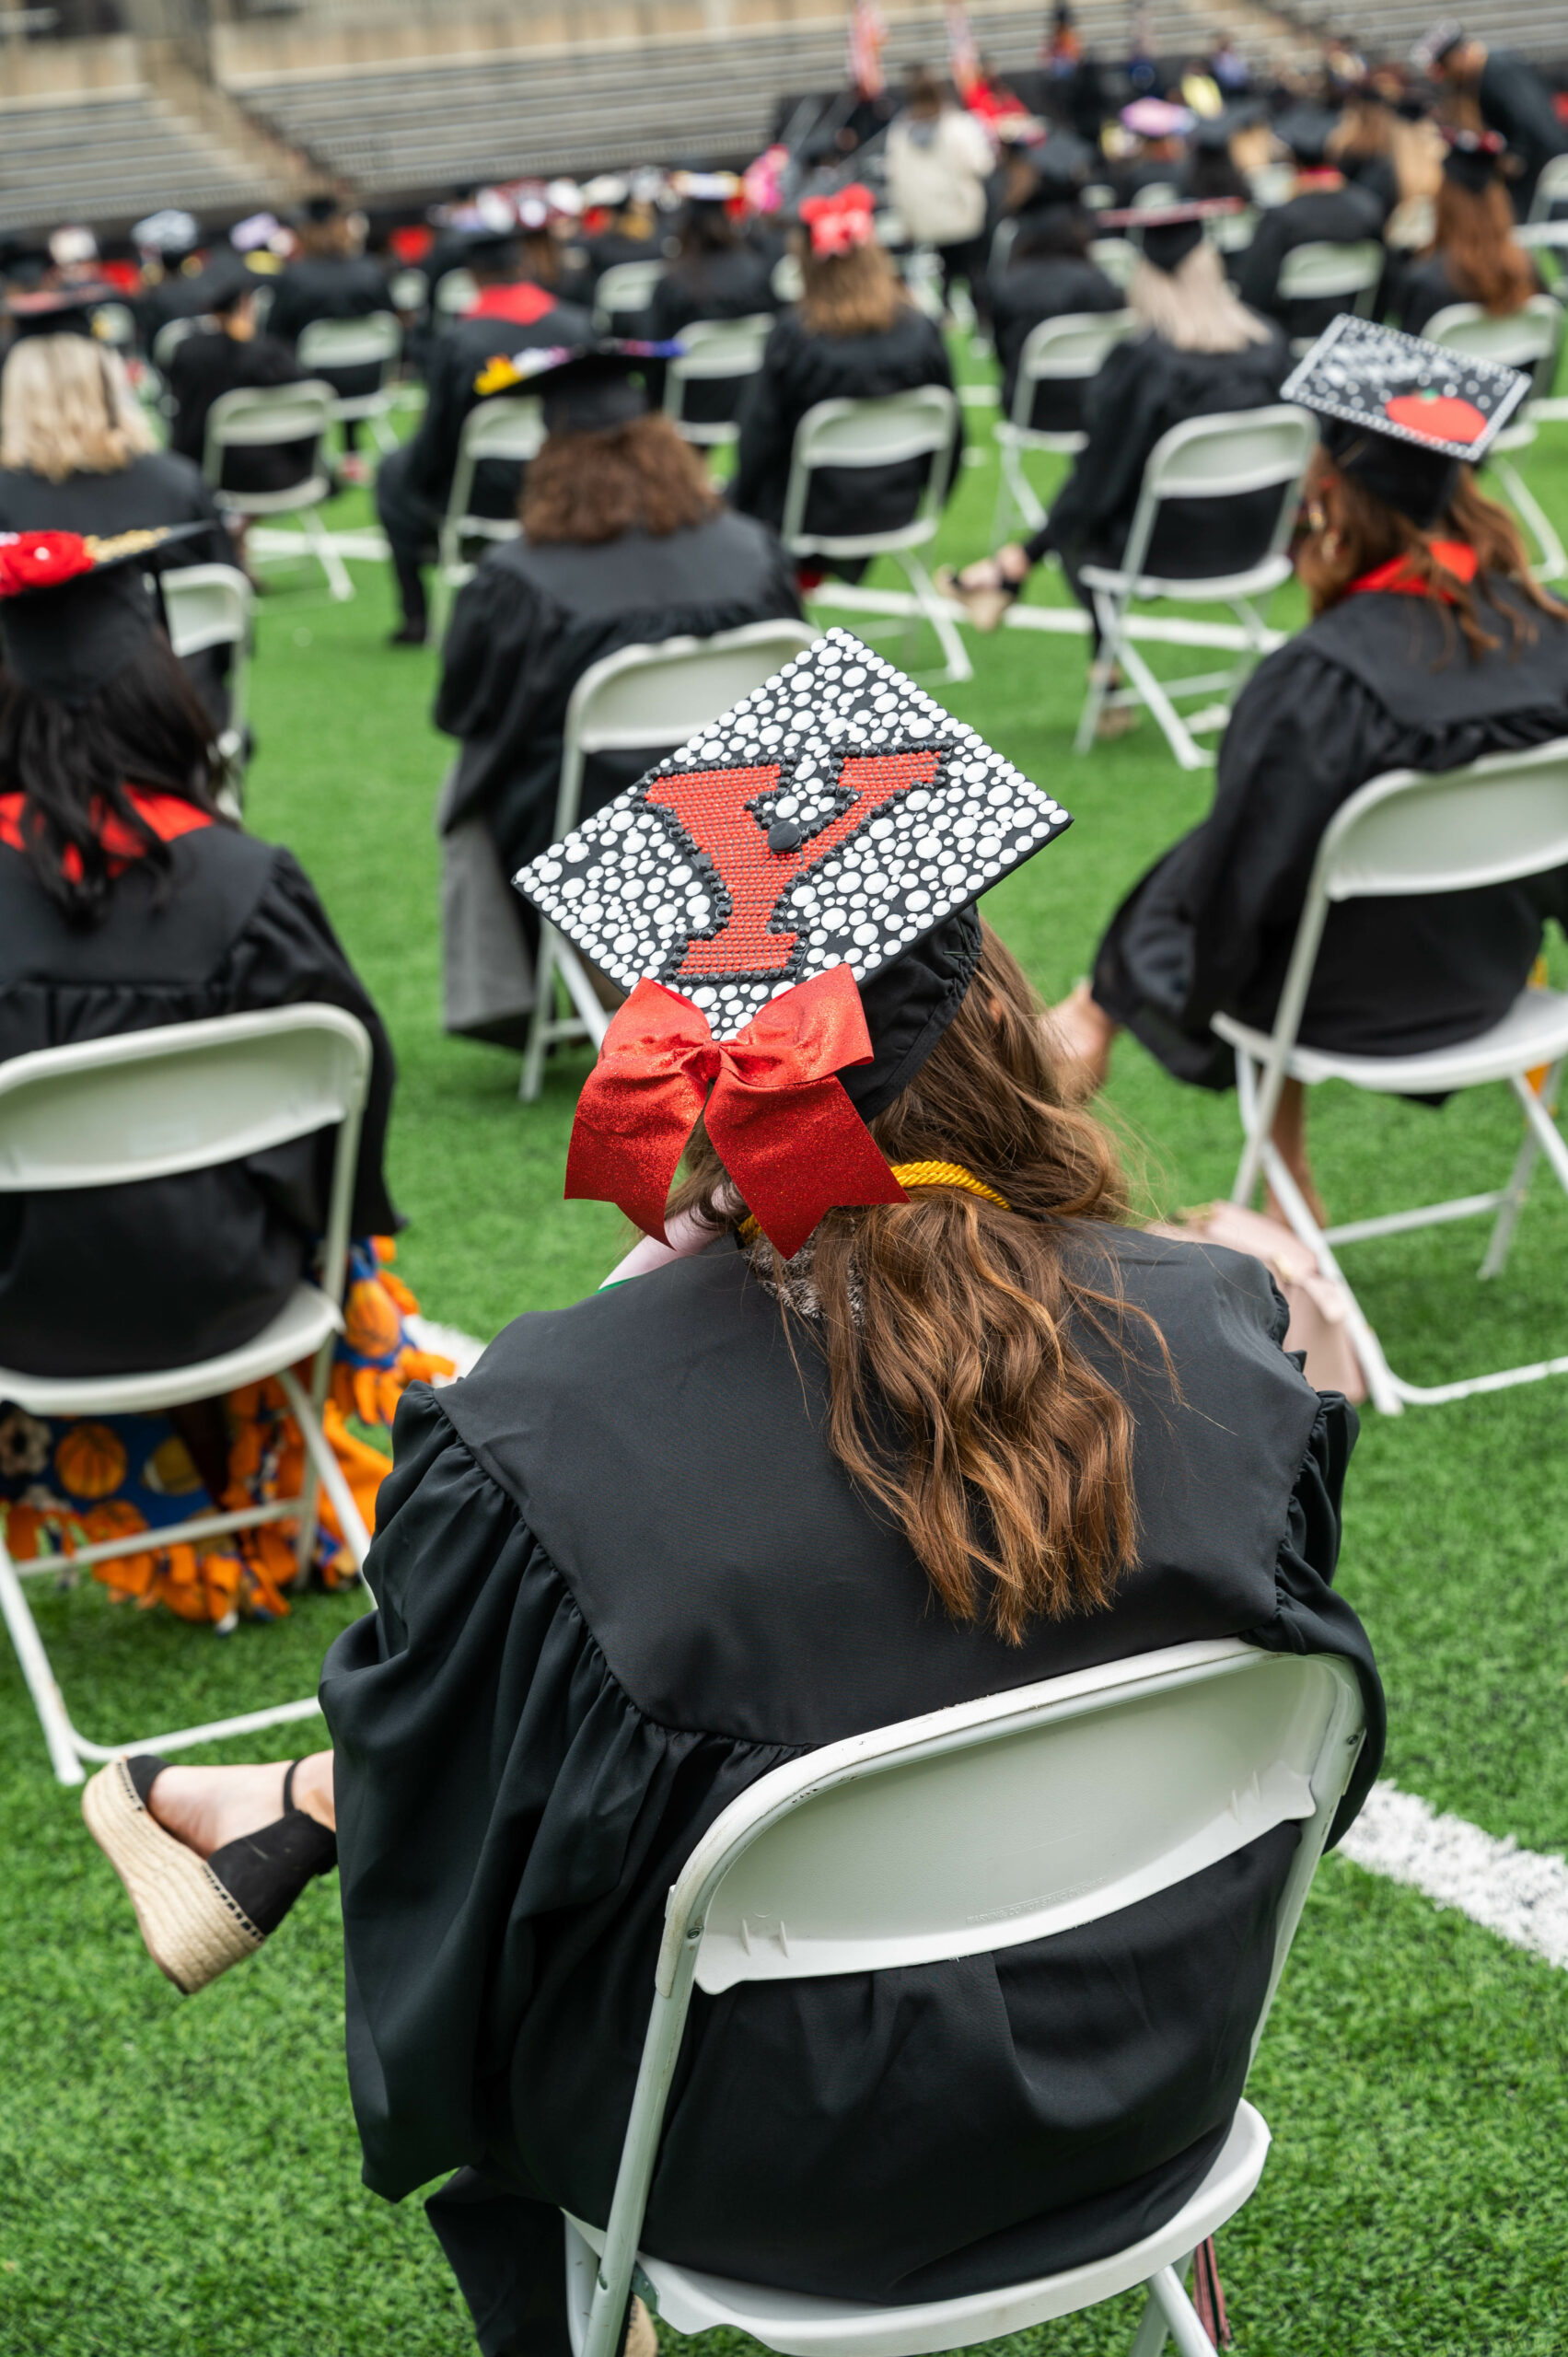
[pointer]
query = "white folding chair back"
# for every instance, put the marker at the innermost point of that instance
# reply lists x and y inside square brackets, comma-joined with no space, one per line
[168,339]
[1112,1784]
[1407,835]
[623,288]
[717,350]
[373,342]
[642,699]
[1069,349]
[156,1104]
[264,417]
[1550,189]
[788,281]
[510,427]
[115,324]
[1155,197]
[922,422]
[1528,339]
[410,291]
[1231,233]
[207,605]
[1321,272]
[1117,257]
[1238,454]
[457,292]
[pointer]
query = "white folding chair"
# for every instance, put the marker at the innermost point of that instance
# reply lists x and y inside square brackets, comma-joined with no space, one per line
[115,324]
[456,291]
[849,434]
[261,417]
[1112,1784]
[1407,834]
[374,341]
[168,339]
[510,427]
[1117,257]
[788,281]
[150,1105]
[1529,339]
[1347,274]
[1208,459]
[642,699]
[717,352]
[1068,350]
[410,291]
[1153,197]
[207,605]
[626,288]
[1550,189]
[1231,233]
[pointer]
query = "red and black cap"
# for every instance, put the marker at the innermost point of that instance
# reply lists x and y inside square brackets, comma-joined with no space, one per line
[1474,158]
[74,608]
[585,388]
[789,899]
[1402,414]
[1168,233]
[57,310]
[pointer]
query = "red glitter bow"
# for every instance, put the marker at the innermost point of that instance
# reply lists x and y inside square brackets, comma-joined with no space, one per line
[837,224]
[40,559]
[779,1119]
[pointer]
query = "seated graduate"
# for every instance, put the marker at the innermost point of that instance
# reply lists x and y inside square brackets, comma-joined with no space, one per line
[332,278]
[173,256]
[856,332]
[77,454]
[512,313]
[625,542]
[1430,646]
[1475,256]
[1202,352]
[1048,275]
[126,902]
[910,1417]
[714,274]
[1326,209]
[1160,129]
[626,224]
[1211,169]
[222,357]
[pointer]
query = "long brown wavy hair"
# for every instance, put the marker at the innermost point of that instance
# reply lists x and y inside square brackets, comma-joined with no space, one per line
[1349,531]
[640,477]
[1474,234]
[963,1400]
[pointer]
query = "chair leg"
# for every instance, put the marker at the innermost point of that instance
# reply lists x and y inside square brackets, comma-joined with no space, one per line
[1108,610]
[48,1702]
[532,1079]
[1499,1244]
[1380,1384]
[581,992]
[1180,2315]
[959,668]
[350,1520]
[1153,2331]
[1553,561]
[332,564]
[1178,736]
[381,432]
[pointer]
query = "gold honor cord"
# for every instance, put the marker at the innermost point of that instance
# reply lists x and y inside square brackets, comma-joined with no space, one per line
[919,1174]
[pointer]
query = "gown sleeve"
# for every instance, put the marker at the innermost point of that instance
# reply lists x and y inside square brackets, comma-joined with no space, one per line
[288,954]
[492,1778]
[770,412]
[1258,286]
[1118,407]
[503,687]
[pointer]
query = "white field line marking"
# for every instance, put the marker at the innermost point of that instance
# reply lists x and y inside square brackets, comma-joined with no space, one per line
[1522,1895]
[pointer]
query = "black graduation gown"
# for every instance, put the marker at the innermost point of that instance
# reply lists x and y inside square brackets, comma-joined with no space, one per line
[733,286]
[1426,289]
[530,623]
[612,246]
[172,1270]
[208,364]
[1210,928]
[1334,216]
[1145,386]
[799,369]
[158,487]
[1047,286]
[620,1578]
[425,464]
[331,287]
[1515,99]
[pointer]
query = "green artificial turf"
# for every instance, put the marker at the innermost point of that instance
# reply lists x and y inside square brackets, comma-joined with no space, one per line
[180,2178]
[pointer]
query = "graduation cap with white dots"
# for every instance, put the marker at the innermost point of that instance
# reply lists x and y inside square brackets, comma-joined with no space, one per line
[1449,403]
[835,817]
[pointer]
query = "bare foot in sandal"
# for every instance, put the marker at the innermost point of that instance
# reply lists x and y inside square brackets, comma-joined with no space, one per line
[1083,1035]
[987,587]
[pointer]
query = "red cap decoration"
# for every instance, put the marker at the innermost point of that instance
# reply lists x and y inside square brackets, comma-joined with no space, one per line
[32,561]
[838,224]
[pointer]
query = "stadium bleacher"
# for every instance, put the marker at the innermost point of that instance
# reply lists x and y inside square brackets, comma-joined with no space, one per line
[108,158]
[1390,27]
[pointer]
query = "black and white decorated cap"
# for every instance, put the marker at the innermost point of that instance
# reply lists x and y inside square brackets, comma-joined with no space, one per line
[1445,402]
[834,816]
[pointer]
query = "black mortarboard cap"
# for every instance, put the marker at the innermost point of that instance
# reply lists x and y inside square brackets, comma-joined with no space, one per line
[1434,46]
[1402,415]
[1168,233]
[74,608]
[586,387]
[1474,157]
[837,816]
[57,310]
[319,210]
[1305,131]
[1062,168]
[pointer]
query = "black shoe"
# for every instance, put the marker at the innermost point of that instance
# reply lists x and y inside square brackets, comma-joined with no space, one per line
[409,633]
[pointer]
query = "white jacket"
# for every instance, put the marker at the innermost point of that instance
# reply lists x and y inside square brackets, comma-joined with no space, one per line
[936,176]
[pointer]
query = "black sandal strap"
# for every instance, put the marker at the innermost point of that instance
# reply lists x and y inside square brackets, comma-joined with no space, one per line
[288,1789]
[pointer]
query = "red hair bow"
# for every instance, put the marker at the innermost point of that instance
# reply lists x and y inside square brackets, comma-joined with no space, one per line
[778,1118]
[40,559]
[838,224]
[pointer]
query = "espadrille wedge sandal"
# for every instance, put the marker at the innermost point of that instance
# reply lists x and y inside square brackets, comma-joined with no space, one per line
[198,1916]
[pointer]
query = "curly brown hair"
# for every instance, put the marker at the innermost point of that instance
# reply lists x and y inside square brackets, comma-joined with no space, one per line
[641,477]
[1349,531]
[962,1399]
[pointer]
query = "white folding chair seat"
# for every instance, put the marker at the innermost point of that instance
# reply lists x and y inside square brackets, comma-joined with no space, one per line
[717,352]
[207,605]
[1405,835]
[509,428]
[1117,257]
[1528,339]
[1321,272]
[153,1104]
[1552,188]
[1114,1784]
[625,289]
[373,342]
[640,699]
[265,417]
[849,434]
[1068,350]
[1212,458]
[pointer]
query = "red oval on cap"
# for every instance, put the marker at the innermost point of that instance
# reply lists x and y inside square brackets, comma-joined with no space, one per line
[1442,416]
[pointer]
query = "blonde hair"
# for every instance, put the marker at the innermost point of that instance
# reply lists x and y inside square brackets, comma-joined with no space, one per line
[66,407]
[1191,307]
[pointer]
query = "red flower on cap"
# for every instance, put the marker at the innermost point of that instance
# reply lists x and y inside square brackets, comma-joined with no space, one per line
[1441,415]
[40,559]
[838,224]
